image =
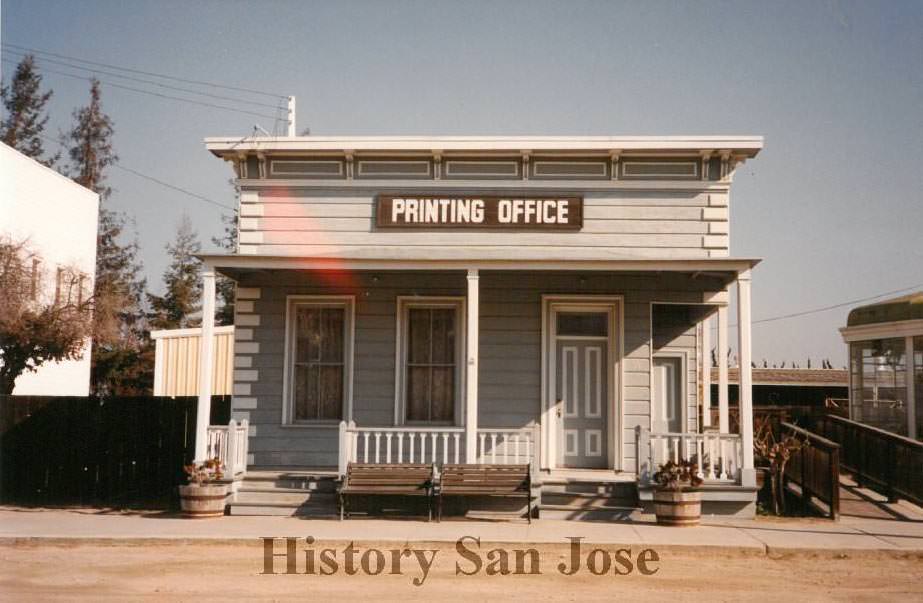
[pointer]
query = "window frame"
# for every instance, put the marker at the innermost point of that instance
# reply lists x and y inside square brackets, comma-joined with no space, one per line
[292,303]
[404,305]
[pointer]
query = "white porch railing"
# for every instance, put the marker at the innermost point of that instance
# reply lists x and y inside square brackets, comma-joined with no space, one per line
[437,445]
[229,443]
[719,455]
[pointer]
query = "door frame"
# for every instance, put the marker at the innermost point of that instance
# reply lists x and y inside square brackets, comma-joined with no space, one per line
[683,357]
[615,307]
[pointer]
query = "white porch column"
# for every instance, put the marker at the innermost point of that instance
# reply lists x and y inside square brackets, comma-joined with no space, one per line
[471,371]
[723,422]
[206,358]
[911,394]
[706,372]
[745,382]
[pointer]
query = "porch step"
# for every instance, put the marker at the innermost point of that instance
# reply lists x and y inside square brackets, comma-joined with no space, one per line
[287,492]
[608,489]
[589,514]
[291,480]
[609,498]
[584,500]
[286,510]
[256,497]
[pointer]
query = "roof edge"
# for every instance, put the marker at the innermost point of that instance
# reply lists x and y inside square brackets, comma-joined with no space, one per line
[748,146]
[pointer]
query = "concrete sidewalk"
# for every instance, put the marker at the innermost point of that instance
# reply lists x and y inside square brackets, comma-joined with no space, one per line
[762,536]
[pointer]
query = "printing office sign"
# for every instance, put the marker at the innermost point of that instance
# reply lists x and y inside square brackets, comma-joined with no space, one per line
[423,212]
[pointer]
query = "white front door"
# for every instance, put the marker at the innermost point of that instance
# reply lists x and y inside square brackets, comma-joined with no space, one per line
[581,356]
[582,391]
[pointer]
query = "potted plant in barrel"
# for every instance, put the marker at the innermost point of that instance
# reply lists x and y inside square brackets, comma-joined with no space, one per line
[205,494]
[677,500]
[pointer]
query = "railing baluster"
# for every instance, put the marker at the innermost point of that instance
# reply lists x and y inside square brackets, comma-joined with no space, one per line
[482,440]
[493,448]
[377,446]
[365,447]
[445,448]
[516,441]
[712,456]
[457,440]
[433,448]
[388,447]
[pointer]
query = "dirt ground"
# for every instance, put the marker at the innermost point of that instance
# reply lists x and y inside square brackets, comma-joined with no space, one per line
[202,572]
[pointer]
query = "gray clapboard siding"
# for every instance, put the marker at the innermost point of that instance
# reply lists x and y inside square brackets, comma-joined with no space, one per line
[653,224]
[510,348]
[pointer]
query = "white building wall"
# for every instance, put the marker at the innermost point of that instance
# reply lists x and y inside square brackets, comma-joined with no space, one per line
[58,218]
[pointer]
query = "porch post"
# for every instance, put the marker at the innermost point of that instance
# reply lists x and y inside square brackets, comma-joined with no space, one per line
[747,475]
[909,377]
[723,423]
[706,372]
[206,356]
[471,370]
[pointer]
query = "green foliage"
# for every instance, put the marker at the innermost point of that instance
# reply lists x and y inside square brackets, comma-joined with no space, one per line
[119,365]
[24,105]
[90,144]
[678,475]
[208,472]
[225,287]
[182,279]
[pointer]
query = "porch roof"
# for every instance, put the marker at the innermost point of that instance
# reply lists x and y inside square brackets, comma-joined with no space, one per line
[437,259]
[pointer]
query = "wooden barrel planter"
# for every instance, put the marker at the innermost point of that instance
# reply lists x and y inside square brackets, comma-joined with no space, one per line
[678,507]
[200,502]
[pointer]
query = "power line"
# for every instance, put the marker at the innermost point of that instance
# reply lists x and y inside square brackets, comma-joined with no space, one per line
[157,94]
[833,307]
[151,82]
[156,180]
[171,186]
[138,71]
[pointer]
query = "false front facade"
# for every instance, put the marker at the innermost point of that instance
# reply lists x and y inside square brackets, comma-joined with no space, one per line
[487,299]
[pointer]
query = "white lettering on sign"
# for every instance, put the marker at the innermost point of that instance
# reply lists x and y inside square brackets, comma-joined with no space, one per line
[437,211]
[486,211]
[532,211]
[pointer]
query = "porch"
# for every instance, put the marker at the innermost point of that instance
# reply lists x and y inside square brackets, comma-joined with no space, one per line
[508,406]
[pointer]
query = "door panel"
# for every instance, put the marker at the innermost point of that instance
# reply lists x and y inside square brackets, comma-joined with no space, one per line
[582,388]
[667,407]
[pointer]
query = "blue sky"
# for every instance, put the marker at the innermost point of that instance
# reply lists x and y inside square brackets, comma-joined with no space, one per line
[834,203]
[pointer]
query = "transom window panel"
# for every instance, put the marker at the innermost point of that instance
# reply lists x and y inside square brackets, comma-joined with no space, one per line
[583,324]
[320,363]
[431,364]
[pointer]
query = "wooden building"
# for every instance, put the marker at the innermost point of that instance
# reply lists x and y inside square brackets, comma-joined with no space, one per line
[481,299]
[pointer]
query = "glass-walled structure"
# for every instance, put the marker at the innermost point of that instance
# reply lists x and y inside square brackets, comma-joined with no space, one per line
[886,365]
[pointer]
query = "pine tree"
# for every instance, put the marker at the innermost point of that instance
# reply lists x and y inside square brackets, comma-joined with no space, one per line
[176,309]
[24,105]
[121,352]
[90,141]
[224,286]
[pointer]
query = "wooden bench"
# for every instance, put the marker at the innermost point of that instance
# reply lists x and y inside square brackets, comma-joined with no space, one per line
[509,481]
[367,479]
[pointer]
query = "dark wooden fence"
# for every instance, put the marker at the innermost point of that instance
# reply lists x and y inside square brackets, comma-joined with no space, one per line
[87,450]
[885,461]
[815,468]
